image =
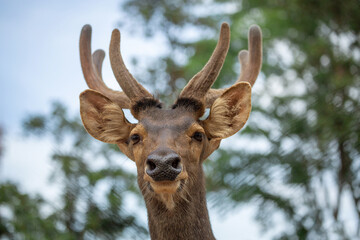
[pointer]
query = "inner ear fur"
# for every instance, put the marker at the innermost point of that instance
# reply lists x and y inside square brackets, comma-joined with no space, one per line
[229,112]
[103,119]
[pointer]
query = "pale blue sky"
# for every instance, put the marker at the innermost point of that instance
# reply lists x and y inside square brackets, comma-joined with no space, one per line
[39,60]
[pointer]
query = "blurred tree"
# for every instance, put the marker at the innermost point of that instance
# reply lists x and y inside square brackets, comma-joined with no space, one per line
[21,216]
[91,201]
[301,169]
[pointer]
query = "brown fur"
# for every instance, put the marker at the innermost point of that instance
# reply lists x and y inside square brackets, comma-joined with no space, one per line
[102,118]
[188,219]
[230,112]
[176,208]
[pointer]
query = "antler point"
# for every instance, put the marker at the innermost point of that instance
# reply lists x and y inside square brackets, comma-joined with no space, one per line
[255,30]
[86,28]
[243,56]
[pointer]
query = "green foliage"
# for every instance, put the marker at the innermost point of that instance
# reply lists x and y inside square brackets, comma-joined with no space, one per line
[24,216]
[93,188]
[301,152]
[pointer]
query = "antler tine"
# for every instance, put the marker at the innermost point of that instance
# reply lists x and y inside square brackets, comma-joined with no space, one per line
[134,90]
[91,67]
[250,63]
[199,85]
[98,58]
[85,58]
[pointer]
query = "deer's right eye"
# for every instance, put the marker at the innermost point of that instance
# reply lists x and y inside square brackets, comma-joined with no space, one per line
[135,138]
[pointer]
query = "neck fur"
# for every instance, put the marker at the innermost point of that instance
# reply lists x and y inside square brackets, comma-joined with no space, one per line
[188,219]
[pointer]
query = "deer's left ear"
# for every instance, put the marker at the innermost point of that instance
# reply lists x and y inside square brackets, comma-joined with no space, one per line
[229,112]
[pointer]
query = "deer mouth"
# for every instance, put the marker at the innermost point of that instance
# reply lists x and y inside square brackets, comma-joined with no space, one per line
[168,187]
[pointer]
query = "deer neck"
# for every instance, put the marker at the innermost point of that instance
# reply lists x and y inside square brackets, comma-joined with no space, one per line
[189,219]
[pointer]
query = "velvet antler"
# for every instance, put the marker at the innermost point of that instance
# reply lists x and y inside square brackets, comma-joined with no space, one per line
[200,84]
[250,62]
[91,66]
[134,90]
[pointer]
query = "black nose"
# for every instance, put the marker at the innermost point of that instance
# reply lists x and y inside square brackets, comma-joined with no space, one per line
[163,166]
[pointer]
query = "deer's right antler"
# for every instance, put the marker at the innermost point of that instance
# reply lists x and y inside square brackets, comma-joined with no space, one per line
[133,89]
[91,66]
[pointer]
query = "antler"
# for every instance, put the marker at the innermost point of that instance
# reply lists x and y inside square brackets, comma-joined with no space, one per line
[134,90]
[198,87]
[91,67]
[250,62]
[200,84]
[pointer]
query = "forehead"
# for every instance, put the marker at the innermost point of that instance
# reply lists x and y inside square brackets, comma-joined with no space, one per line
[175,119]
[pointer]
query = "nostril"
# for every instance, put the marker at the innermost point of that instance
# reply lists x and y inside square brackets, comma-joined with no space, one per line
[176,162]
[151,165]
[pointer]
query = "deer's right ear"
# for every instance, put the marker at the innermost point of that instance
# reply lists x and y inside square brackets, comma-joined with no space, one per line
[103,119]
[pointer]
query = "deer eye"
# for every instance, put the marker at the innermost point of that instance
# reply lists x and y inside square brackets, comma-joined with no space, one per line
[198,136]
[135,138]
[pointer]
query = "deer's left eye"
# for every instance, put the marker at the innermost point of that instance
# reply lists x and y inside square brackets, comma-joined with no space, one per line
[198,136]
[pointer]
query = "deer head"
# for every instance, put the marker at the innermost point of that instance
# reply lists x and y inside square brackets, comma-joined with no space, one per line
[167,145]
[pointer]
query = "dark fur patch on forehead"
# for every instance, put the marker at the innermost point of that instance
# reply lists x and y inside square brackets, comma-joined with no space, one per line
[189,104]
[144,104]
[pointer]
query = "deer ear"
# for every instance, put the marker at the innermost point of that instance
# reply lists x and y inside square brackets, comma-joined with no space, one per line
[102,118]
[229,112]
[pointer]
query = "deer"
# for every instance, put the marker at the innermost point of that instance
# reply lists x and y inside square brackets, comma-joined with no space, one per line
[169,144]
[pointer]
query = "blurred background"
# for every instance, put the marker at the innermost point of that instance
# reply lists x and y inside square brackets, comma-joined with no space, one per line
[291,173]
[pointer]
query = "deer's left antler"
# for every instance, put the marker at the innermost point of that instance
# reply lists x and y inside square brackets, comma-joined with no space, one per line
[200,84]
[250,62]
